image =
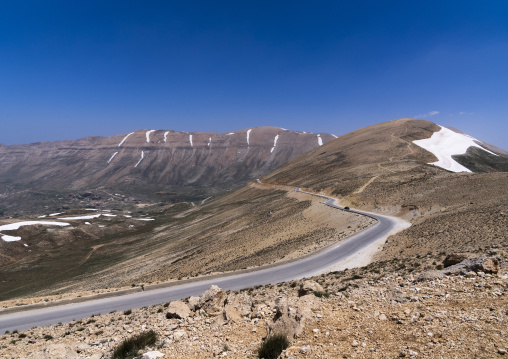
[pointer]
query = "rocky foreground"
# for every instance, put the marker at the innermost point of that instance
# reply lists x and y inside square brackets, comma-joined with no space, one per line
[412,308]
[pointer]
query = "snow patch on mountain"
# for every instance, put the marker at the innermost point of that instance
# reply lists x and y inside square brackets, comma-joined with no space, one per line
[15,226]
[148,135]
[165,136]
[113,156]
[274,143]
[190,140]
[141,159]
[319,140]
[444,144]
[122,141]
[248,134]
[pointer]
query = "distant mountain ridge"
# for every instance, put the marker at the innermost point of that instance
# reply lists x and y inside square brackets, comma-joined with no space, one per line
[146,162]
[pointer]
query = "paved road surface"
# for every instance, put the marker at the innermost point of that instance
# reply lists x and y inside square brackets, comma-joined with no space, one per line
[305,267]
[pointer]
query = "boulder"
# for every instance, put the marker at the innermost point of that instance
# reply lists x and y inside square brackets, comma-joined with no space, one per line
[193,303]
[429,275]
[478,264]
[456,258]
[212,301]
[59,351]
[308,287]
[231,314]
[178,310]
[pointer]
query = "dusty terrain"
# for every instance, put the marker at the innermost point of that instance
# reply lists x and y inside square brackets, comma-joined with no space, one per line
[252,226]
[399,308]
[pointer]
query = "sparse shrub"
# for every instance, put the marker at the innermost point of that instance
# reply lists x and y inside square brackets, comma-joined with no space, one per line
[128,312]
[130,346]
[22,335]
[80,329]
[273,346]
[292,285]
[15,331]
[439,267]
[321,294]
[48,337]
[159,310]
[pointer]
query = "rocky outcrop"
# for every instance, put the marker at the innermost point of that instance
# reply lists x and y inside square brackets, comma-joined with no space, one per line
[309,287]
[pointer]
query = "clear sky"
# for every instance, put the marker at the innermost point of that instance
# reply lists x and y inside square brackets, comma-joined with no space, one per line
[70,69]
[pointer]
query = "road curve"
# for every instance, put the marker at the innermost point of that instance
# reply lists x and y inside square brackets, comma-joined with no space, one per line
[305,267]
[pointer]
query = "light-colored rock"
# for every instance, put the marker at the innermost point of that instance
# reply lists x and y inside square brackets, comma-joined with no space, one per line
[309,287]
[212,301]
[178,310]
[152,355]
[193,303]
[59,351]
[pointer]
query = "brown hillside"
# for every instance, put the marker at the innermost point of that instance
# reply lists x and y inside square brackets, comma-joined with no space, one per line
[378,168]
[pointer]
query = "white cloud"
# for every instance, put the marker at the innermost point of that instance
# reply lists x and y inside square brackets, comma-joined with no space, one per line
[428,114]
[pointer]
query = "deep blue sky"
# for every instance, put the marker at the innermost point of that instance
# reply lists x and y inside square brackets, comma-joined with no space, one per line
[70,69]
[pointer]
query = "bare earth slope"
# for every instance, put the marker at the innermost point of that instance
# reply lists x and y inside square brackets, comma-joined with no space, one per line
[379,168]
[156,165]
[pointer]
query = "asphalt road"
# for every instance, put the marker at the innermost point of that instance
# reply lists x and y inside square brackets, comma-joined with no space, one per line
[305,267]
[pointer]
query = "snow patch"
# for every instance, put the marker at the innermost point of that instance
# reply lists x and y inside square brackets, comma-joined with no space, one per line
[209,141]
[88,223]
[148,135]
[144,219]
[7,238]
[231,133]
[274,143]
[91,216]
[444,144]
[15,226]
[190,140]
[42,216]
[165,136]
[142,156]
[248,134]
[319,140]
[335,136]
[111,159]
[91,209]
[56,214]
[122,141]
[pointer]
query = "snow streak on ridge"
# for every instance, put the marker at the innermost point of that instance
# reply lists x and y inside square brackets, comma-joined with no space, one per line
[165,136]
[142,156]
[274,143]
[248,134]
[114,154]
[122,141]
[190,140]
[148,135]
[319,140]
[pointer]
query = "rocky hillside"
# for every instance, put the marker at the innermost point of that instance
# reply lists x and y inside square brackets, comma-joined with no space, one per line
[399,308]
[158,165]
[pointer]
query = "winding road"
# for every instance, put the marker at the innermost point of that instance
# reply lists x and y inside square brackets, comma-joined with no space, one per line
[308,266]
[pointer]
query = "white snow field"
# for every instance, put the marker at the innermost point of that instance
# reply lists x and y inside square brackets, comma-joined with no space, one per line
[122,141]
[190,140]
[319,140]
[165,136]
[209,141]
[15,226]
[444,144]
[148,135]
[274,143]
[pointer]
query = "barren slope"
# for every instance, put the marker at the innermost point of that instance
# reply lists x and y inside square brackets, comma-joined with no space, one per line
[379,168]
